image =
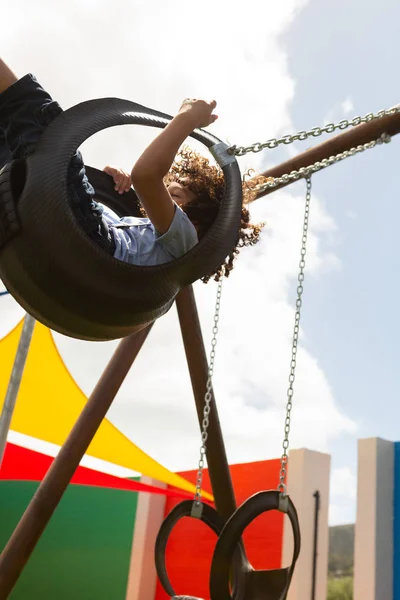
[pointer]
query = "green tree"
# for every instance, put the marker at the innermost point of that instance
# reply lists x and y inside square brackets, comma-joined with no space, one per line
[341,550]
[340,589]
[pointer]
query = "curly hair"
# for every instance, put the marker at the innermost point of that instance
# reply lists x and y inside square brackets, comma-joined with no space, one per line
[206,181]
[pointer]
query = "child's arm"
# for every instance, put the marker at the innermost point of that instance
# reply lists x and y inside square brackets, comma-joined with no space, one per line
[149,171]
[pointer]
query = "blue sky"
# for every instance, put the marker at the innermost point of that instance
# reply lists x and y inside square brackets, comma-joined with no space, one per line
[338,51]
[283,67]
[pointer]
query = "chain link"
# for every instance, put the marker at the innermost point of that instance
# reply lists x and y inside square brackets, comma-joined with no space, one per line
[314,132]
[208,398]
[322,164]
[292,375]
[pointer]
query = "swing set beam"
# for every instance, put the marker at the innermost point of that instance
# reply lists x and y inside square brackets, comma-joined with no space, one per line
[358,135]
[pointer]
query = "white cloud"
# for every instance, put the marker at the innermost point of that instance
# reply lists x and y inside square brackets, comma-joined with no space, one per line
[343,493]
[340,515]
[340,110]
[347,106]
[157,54]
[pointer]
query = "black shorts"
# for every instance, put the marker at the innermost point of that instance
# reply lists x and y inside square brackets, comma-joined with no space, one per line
[25,111]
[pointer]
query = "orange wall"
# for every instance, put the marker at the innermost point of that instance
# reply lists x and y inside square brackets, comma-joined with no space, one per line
[191,544]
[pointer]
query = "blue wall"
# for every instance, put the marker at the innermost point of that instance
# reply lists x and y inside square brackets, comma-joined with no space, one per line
[396,523]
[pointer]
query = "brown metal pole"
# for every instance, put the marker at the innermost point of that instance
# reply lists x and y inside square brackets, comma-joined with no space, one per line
[198,367]
[360,134]
[33,522]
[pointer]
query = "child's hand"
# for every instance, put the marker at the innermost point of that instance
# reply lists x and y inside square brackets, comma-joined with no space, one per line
[122,180]
[199,111]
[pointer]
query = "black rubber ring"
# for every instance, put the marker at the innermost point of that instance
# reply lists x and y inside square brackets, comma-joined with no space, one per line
[232,532]
[184,509]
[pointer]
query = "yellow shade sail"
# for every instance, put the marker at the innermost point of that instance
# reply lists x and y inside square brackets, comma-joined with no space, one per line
[49,403]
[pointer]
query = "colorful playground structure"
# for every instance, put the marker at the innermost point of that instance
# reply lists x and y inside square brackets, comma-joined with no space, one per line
[100,541]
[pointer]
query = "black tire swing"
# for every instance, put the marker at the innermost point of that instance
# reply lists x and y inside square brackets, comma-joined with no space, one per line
[63,278]
[271,584]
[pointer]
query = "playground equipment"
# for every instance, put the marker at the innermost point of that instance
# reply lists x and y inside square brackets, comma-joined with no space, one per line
[248,584]
[52,267]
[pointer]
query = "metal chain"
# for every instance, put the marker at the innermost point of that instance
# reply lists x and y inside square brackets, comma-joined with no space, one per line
[300,278]
[325,162]
[207,398]
[286,178]
[314,132]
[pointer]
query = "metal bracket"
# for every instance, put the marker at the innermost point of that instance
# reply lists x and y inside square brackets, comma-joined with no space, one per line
[197,510]
[283,505]
[221,154]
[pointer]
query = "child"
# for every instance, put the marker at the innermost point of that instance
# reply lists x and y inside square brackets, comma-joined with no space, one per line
[180,199]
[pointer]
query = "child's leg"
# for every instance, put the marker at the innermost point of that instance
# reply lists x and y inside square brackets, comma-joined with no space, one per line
[26,109]
[7,78]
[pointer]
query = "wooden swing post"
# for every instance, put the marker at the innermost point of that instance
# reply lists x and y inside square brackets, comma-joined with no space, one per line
[217,462]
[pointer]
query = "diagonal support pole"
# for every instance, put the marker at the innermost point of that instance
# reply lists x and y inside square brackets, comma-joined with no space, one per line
[15,382]
[33,522]
[198,367]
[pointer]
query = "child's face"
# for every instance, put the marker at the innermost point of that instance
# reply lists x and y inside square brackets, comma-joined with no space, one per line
[180,193]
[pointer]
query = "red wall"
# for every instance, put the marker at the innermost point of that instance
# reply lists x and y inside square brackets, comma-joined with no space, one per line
[191,544]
